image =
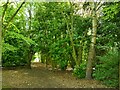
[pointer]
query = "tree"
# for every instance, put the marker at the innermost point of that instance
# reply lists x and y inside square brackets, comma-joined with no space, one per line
[108,45]
[93,42]
[13,14]
[15,41]
[1,22]
[0,50]
[30,52]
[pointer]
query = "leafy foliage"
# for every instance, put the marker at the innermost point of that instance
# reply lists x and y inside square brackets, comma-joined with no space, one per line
[60,52]
[107,69]
[49,28]
[80,71]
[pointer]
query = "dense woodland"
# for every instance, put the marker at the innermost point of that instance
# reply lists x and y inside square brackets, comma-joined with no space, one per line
[82,35]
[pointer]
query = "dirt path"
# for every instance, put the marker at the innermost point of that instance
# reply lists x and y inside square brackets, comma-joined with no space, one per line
[39,77]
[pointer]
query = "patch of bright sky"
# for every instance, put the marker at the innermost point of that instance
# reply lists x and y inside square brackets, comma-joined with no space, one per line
[4,1]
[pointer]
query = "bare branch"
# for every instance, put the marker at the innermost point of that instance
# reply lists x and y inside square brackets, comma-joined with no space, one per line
[99,5]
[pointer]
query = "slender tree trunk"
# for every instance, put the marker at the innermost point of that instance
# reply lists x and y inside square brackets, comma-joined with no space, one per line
[73,48]
[81,47]
[70,32]
[30,53]
[29,60]
[1,23]
[119,58]
[46,61]
[0,61]
[0,43]
[92,45]
[119,74]
[80,53]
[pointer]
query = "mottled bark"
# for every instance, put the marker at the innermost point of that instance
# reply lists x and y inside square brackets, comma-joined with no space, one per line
[92,45]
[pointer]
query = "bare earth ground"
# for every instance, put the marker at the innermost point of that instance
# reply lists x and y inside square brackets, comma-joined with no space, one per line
[40,77]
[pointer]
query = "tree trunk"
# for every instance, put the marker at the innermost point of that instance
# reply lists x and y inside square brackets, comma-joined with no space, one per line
[80,53]
[119,63]
[0,43]
[73,48]
[30,52]
[39,56]
[46,60]
[70,32]
[92,45]
[29,60]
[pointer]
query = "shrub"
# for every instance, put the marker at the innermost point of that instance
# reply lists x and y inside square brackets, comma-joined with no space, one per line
[107,70]
[80,71]
[63,64]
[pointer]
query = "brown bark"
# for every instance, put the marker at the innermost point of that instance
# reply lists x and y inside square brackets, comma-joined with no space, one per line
[29,60]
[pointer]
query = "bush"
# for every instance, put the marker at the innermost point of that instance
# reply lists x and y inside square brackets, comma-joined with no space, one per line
[63,64]
[60,52]
[80,71]
[13,59]
[107,70]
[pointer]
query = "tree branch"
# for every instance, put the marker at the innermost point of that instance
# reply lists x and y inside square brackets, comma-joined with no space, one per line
[15,13]
[4,10]
[99,6]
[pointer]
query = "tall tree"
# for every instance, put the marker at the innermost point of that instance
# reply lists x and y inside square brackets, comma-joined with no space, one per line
[93,42]
[1,22]
[0,42]
[30,53]
[71,33]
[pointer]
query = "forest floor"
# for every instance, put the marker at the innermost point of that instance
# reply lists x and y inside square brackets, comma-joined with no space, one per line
[40,77]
